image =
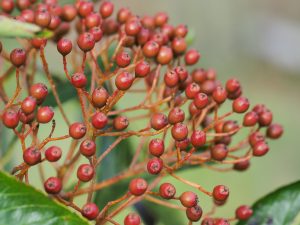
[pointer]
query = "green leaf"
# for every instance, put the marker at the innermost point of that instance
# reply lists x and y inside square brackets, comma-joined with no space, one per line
[281,207]
[13,28]
[22,204]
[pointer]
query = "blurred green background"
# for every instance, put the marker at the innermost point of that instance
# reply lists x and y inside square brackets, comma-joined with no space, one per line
[257,42]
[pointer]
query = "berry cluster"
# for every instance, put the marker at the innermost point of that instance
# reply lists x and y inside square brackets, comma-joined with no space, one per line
[179,106]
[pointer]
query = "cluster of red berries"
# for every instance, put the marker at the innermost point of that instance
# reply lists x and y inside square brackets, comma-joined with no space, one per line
[183,105]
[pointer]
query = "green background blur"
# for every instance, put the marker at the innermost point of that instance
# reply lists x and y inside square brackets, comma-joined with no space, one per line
[257,42]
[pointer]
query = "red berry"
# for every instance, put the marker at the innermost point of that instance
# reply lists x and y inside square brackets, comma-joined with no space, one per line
[99,97]
[85,172]
[265,118]
[240,105]
[260,148]
[179,45]
[138,186]
[219,152]
[120,123]
[198,138]
[69,12]
[274,131]
[155,165]
[143,36]
[97,33]
[132,219]
[176,115]
[160,19]
[193,110]
[106,9]
[32,156]
[220,193]
[201,100]
[199,75]
[77,130]
[87,147]
[181,30]
[250,119]
[142,69]
[86,41]
[179,131]
[123,15]
[53,153]
[18,57]
[39,91]
[242,165]
[79,80]
[99,120]
[124,81]
[188,199]
[208,87]
[158,121]
[150,49]
[207,221]
[123,59]
[219,95]
[26,119]
[194,213]
[221,221]
[42,18]
[53,185]
[256,137]
[171,78]
[156,147]
[167,190]
[54,22]
[232,85]
[90,211]
[44,114]
[10,118]
[85,8]
[38,42]
[7,5]
[23,4]
[191,57]
[93,20]
[192,90]
[182,73]
[165,55]
[132,27]
[183,145]
[243,212]
[64,46]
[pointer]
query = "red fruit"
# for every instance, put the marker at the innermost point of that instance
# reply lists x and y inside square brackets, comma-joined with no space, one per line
[120,123]
[123,59]
[220,193]
[143,36]
[142,69]
[23,4]
[181,30]
[93,20]
[54,23]
[242,165]
[207,221]
[90,211]
[201,100]
[193,110]
[171,78]
[219,95]
[132,27]
[176,115]
[256,137]
[221,221]
[106,9]
[179,131]
[97,33]
[191,57]
[167,190]
[198,138]
[158,121]
[138,186]
[18,57]
[182,73]
[240,105]
[77,130]
[150,49]
[79,80]
[265,118]
[123,15]
[179,45]
[53,153]
[233,85]
[165,55]
[27,15]
[156,147]
[250,119]
[124,81]
[87,147]
[85,172]
[132,219]
[188,199]
[86,41]
[7,5]
[99,97]
[39,91]
[85,8]
[160,19]
[69,12]
[26,118]
[53,185]
[219,152]
[183,145]
[274,131]
[192,90]
[199,75]
[260,148]
[10,118]
[64,46]
[42,18]
[32,156]
[99,120]
[194,213]
[155,165]
[38,42]
[44,114]
[243,212]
